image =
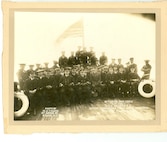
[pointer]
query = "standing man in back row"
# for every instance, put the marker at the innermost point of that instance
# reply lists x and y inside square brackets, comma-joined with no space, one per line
[103,59]
[146,70]
[63,61]
[132,65]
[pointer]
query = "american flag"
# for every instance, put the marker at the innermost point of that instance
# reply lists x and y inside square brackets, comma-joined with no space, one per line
[74,30]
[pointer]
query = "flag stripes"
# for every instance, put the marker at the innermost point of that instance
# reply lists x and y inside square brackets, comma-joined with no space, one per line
[75,30]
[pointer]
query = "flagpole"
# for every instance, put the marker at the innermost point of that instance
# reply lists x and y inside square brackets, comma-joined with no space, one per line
[83,37]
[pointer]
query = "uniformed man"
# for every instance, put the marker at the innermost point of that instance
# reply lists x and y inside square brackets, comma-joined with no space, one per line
[38,67]
[84,57]
[74,75]
[83,87]
[93,60]
[132,64]
[113,64]
[122,82]
[78,55]
[120,63]
[104,73]
[55,64]
[56,82]
[46,67]
[22,76]
[41,84]
[103,59]
[110,83]
[146,70]
[30,70]
[30,90]
[90,54]
[66,91]
[134,79]
[95,79]
[72,60]
[63,61]
[115,79]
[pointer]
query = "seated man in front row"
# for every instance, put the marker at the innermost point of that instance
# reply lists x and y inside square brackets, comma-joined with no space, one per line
[134,79]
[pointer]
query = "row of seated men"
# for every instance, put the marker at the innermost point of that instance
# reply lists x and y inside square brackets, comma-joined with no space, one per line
[77,85]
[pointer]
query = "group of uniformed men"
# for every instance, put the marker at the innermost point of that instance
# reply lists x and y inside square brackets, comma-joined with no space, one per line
[79,79]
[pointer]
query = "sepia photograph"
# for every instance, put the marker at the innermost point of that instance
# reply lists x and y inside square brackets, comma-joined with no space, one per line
[82,66]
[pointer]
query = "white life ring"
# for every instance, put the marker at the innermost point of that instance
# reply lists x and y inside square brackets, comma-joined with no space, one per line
[25,104]
[145,94]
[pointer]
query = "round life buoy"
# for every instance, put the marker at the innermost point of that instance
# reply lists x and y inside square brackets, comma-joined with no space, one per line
[25,104]
[146,88]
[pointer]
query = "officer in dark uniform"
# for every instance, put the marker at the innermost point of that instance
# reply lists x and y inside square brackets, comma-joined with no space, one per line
[120,65]
[132,64]
[104,73]
[72,60]
[146,70]
[66,91]
[122,83]
[41,84]
[55,85]
[46,67]
[30,70]
[134,79]
[113,64]
[83,87]
[110,83]
[78,55]
[93,60]
[95,79]
[22,76]
[30,90]
[103,59]
[84,57]
[38,67]
[90,54]
[63,61]
[55,65]
[115,79]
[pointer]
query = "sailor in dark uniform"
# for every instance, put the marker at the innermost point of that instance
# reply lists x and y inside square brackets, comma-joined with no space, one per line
[93,60]
[63,61]
[146,70]
[84,57]
[66,91]
[83,87]
[30,90]
[55,64]
[103,59]
[120,65]
[110,83]
[95,79]
[134,79]
[104,73]
[113,64]
[38,67]
[22,76]
[30,70]
[55,85]
[72,60]
[115,79]
[78,55]
[90,54]
[122,82]
[132,65]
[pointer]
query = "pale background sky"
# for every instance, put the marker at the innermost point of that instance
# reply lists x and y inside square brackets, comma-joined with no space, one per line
[119,35]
